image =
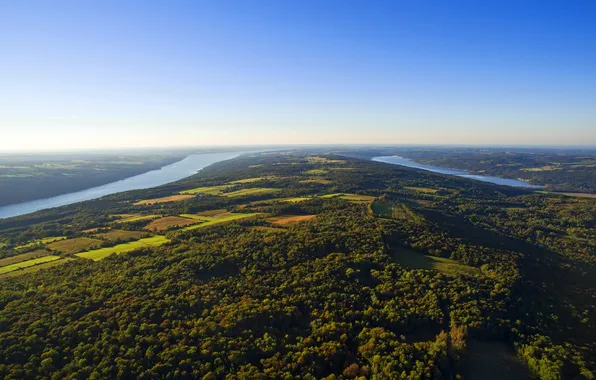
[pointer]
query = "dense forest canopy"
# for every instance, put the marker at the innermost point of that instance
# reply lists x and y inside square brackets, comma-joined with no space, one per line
[297,265]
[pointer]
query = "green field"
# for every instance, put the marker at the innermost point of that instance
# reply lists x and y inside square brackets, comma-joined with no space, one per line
[252,191]
[316,171]
[249,180]
[136,218]
[382,209]
[74,245]
[102,253]
[23,257]
[113,235]
[414,260]
[218,220]
[209,190]
[36,268]
[40,242]
[28,263]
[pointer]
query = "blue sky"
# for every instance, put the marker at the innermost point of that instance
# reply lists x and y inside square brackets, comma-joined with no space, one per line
[102,74]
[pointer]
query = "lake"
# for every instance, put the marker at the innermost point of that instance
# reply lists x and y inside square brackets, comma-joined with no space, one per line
[397,160]
[170,173]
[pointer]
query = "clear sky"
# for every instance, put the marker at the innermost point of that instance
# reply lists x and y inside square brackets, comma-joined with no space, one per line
[102,73]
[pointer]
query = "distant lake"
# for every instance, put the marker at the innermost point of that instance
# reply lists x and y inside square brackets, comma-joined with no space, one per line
[170,173]
[397,160]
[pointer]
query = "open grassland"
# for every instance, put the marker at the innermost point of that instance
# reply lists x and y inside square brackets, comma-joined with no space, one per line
[166,222]
[577,195]
[74,245]
[391,211]
[286,220]
[323,160]
[426,190]
[546,168]
[207,213]
[114,235]
[382,209]
[249,180]
[102,253]
[217,220]
[493,360]
[252,191]
[295,199]
[23,257]
[171,198]
[130,218]
[36,268]
[27,263]
[316,180]
[316,171]
[358,198]
[209,190]
[43,241]
[414,260]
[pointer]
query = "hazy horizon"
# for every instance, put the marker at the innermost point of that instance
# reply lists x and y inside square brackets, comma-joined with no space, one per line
[80,76]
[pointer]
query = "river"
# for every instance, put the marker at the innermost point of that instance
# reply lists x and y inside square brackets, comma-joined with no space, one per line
[397,160]
[170,173]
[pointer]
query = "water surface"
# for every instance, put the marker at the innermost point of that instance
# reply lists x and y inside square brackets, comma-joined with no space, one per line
[170,173]
[397,160]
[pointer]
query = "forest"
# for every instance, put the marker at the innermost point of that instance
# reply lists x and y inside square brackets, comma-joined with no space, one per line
[303,265]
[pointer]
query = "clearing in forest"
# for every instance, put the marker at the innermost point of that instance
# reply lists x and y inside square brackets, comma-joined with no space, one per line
[23,257]
[130,218]
[426,190]
[28,263]
[286,220]
[249,180]
[251,191]
[102,253]
[75,245]
[316,171]
[414,260]
[493,361]
[171,198]
[221,218]
[209,190]
[114,235]
[37,267]
[321,181]
[166,222]
[40,242]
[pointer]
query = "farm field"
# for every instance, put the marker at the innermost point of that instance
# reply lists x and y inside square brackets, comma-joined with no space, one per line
[286,220]
[315,180]
[422,189]
[166,222]
[36,268]
[316,171]
[120,235]
[40,242]
[577,195]
[135,218]
[218,220]
[171,198]
[75,245]
[27,263]
[23,257]
[209,190]
[102,253]
[250,180]
[414,260]
[252,191]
